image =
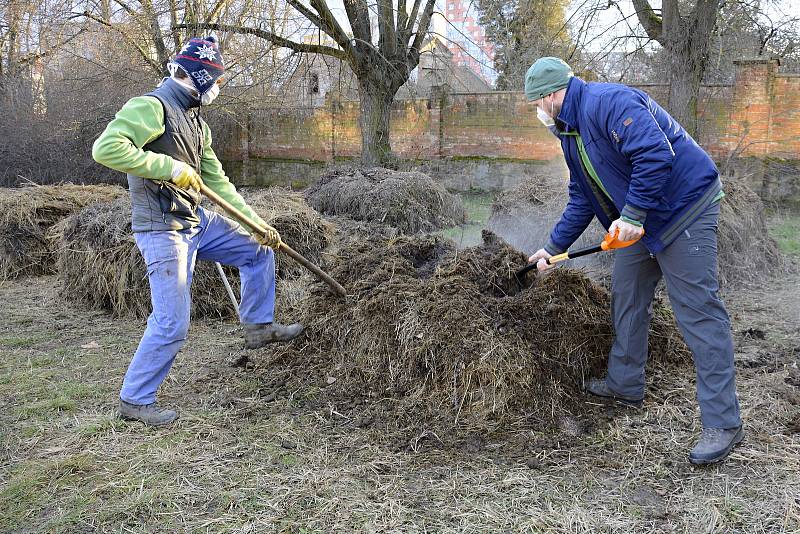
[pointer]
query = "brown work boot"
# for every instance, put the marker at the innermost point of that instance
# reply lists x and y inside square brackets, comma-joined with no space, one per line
[149,414]
[259,335]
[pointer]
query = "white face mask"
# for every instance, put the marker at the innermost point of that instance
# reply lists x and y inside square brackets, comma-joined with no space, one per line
[210,95]
[547,118]
[544,117]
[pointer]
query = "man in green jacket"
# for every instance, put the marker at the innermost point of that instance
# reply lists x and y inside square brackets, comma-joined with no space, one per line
[162,144]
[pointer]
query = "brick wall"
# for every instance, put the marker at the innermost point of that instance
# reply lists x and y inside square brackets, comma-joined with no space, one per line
[759,116]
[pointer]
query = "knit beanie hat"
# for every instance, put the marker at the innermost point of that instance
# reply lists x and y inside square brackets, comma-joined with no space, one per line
[202,61]
[546,76]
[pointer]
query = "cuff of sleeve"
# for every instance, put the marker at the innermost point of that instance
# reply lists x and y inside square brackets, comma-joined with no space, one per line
[631,221]
[177,167]
[552,249]
[633,215]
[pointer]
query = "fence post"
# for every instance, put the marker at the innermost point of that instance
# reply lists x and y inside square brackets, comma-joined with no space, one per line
[437,101]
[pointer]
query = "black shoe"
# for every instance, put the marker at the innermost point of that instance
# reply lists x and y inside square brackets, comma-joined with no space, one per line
[259,335]
[149,414]
[599,387]
[715,444]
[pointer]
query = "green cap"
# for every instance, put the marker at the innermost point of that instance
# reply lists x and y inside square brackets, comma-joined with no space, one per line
[546,76]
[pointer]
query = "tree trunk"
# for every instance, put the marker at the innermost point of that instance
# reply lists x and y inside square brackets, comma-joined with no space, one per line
[376,106]
[686,40]
[686,73]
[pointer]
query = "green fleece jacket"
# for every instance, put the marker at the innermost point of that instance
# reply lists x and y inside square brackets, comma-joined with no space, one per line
[140,121]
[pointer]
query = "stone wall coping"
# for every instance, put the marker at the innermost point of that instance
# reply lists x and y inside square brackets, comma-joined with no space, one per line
[756,61]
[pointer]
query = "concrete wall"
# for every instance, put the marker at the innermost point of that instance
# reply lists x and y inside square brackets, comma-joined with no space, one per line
[487,140]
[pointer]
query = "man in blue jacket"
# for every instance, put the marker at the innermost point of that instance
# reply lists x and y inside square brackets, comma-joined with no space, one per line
[642,175]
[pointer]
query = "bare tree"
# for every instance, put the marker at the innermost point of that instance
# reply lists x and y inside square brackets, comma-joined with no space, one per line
[686,38]
[522,32]
[380,55]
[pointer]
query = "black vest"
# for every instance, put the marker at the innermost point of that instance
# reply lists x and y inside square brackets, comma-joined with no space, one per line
[160,204]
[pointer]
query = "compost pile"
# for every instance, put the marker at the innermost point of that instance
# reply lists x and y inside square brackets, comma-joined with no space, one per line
[410,201]
[100,265]
[301,227]
[525,214]
[452,333]
[746,251]
[26,215]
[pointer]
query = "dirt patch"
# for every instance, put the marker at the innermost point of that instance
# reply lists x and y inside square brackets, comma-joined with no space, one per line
[27,213]
[412,202]
[450,334]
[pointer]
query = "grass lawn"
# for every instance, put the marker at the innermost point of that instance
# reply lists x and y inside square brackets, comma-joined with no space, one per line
[785,229]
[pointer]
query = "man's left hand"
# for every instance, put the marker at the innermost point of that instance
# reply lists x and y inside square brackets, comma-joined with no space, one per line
[271,239]
[627,231]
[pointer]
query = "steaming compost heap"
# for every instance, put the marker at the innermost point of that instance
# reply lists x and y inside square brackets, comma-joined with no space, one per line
[26,215]
[410,201]
[451,332]
[524,216]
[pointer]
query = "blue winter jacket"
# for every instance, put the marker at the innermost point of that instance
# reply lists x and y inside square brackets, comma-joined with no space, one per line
[649,166]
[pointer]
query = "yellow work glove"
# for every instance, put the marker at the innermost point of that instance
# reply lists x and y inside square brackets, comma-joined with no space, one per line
[185,177]
[271,239]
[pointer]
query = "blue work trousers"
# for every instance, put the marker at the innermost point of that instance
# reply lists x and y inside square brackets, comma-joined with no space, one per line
[689,268]
[170,257]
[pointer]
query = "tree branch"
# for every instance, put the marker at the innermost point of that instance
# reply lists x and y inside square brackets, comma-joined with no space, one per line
[33,56]
[402,20]
[331,25]
[422,27]
[216,10]
[387,40]
[155,33]
[406,31]
[271,37]
[358,14]
[652,23]
[130,40]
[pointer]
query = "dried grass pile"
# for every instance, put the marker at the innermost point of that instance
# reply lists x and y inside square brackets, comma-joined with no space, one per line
[525,214]
[26,214]
[746,251]
[100,265]
[300,226]
[449,333]
[409,201]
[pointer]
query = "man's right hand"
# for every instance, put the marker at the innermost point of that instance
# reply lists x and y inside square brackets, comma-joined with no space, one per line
[185,177]
[271,239]
[540,258]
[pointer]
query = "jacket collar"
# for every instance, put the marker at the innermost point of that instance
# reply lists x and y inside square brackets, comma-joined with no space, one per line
[572,103]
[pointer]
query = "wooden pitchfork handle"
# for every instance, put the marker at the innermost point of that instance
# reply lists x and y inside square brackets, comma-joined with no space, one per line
[257,228]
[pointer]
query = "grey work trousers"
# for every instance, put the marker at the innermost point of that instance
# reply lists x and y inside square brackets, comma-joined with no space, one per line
[689,267]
